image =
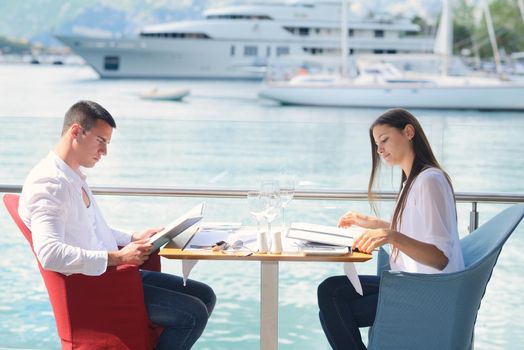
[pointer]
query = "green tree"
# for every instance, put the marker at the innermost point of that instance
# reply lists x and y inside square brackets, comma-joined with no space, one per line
[463,27]
[508,26]
[425,28]
[507,23]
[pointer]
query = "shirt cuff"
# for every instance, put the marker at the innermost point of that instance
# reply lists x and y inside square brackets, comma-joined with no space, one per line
[101,267]
[95,265]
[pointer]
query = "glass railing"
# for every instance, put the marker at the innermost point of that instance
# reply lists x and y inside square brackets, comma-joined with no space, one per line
[235,322]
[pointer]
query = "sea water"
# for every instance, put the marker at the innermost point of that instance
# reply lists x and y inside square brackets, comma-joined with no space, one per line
[222,135]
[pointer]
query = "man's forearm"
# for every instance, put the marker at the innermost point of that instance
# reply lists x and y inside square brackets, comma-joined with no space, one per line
[114,259]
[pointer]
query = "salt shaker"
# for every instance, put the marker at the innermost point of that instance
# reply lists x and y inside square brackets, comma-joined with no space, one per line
[262,242]
[276,245]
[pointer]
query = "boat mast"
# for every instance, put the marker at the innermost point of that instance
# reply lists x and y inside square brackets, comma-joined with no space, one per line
[492,38]
[344,39]
[444,39]
[521,7]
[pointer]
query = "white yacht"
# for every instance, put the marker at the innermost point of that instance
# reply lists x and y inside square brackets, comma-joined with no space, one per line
[384,86]
[236,42]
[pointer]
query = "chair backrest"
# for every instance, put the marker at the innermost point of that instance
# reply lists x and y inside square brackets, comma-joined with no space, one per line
[55,283]
[452,299]
[481,249]
[11,203]
[104,311]
[491,236]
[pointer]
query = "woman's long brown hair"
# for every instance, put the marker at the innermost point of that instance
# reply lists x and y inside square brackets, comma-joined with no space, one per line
[424,158]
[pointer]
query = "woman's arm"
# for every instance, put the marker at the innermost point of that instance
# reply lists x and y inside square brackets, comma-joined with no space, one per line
[365,221]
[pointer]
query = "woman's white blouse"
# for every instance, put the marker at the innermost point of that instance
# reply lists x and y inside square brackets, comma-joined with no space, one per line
[429,216]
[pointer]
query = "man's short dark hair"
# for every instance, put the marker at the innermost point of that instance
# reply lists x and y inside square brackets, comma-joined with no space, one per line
[86,113]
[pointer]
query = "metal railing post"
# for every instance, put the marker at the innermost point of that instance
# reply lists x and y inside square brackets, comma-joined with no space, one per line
[473,217]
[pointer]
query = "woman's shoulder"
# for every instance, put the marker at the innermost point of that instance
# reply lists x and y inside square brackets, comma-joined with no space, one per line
[431,172]
[432,183]
[431,175]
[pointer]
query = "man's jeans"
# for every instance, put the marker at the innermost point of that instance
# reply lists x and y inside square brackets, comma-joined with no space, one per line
[182,311]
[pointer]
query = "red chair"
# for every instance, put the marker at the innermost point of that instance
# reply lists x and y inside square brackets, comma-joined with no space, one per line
[97,312]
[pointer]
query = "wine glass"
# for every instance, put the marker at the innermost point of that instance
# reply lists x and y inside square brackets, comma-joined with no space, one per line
[287,192]
[256,207]
[270,197]
[271,186]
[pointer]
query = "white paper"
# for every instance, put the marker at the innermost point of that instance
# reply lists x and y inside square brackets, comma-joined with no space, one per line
[324,234]
[220,225]
[187,266]
[352,231]
[205,239]
[351,272]
[177,227]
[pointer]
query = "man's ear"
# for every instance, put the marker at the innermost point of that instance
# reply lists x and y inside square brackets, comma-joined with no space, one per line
[75,130]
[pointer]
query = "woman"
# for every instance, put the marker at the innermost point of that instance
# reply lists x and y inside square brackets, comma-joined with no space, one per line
[422,233]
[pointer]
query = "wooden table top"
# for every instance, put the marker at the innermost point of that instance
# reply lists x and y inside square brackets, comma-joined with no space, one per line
[170,251]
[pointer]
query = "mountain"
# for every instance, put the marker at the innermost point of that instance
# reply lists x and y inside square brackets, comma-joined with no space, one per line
[36,20]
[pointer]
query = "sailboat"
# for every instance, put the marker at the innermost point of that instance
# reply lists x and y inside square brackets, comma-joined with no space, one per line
[398,89]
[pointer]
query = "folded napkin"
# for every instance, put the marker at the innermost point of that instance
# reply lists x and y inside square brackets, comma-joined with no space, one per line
[209,234]
[187,266]
[351,272]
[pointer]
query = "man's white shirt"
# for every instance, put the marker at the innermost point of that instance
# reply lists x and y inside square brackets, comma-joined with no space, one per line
[67,236]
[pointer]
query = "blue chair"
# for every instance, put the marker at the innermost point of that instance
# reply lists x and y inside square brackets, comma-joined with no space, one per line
[420,311]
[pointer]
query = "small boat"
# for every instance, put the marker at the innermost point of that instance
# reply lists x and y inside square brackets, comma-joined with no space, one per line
[173,95]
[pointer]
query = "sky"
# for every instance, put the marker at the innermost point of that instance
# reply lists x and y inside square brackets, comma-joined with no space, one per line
[23,19]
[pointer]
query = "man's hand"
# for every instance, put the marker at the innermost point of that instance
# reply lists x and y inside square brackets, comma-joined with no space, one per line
[135,253]
[145,234]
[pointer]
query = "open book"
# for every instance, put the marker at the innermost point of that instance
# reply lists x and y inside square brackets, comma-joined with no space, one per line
[324,234]
[177,227]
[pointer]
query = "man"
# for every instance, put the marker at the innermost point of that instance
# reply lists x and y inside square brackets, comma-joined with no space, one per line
[70,234]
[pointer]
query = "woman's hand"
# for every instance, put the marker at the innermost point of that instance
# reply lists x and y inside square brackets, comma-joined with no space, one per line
[145,234]
[372,239]
[365,221]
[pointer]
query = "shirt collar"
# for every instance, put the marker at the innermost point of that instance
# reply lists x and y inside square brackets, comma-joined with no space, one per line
[75,177]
